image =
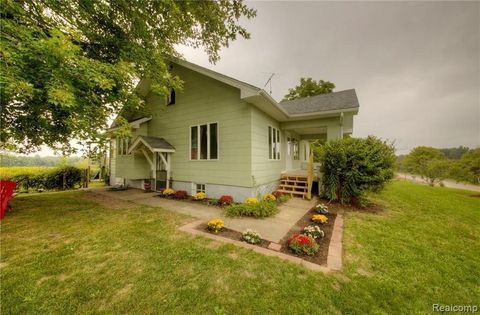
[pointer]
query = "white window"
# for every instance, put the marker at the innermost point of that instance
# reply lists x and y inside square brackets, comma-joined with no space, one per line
[122,145]
[200,188]
[204,142]
[273,143]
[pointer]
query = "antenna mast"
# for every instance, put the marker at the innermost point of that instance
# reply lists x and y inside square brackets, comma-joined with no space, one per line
[270,81]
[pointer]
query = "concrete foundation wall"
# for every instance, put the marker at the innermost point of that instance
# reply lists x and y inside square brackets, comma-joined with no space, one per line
[238,193]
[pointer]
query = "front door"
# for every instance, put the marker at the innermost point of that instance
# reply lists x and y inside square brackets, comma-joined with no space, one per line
[161,173]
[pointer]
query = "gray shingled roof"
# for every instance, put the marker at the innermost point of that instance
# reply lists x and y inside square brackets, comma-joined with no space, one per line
[157,143]
[320,103]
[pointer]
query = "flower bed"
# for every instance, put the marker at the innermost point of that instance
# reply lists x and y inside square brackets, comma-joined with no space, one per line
[255,207]
[234,235]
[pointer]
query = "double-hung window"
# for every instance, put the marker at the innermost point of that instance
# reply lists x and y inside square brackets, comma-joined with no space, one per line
[204,142]
[273,143]
[122,145]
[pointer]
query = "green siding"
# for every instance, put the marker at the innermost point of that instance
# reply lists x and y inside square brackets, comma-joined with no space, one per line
[242,131]
[133,166]
[204,100]
[264,170]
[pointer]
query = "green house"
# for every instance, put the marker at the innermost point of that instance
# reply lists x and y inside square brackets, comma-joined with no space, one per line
[224,137]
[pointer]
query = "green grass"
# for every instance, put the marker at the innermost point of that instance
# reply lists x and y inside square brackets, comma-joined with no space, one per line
[62,254]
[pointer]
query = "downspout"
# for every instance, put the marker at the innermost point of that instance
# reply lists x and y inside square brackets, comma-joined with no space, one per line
[341,125]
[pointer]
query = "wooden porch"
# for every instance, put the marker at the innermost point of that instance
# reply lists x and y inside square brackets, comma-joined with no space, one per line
[298,182]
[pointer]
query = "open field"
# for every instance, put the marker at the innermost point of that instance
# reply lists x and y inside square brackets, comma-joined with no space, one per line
[12,171]
[64,253]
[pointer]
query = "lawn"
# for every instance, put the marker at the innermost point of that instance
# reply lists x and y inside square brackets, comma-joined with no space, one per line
[63,254]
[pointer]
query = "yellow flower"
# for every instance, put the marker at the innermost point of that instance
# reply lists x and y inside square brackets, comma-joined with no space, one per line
[269,197]
[251,200]
[319,218]
[200,196]
[215,225]
[168,192]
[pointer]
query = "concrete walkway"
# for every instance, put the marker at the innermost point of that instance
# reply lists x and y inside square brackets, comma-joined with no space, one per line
[272,228]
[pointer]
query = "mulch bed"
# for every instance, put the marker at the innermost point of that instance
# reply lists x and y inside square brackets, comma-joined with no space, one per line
[231,234]
[320,257]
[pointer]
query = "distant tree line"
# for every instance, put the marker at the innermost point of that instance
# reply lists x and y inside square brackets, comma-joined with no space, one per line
[19,160]
[433,165]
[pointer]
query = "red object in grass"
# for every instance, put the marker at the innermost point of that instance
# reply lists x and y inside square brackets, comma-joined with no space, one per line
[6,193]
[180,194]
[225,200]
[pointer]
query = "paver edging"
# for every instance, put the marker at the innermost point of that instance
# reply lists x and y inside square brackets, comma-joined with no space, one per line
[191,229]
[335,248]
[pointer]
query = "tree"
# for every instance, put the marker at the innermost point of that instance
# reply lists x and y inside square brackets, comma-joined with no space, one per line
[467,168]
[67,66]
[309,87]
[353,166]
[424,161]
[454,153]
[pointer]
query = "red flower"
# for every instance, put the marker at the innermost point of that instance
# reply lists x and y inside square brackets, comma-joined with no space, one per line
[226,200]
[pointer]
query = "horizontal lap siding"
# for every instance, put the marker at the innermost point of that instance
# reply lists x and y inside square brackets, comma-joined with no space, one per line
[133,166]
[263,169]
[204,100]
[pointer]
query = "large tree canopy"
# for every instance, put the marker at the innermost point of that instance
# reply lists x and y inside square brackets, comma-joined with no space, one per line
[309,87]
[69,65]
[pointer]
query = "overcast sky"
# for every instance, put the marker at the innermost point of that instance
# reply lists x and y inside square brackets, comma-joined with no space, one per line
[415,65]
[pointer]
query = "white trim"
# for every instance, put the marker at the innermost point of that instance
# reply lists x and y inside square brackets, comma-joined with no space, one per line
[275,144]
[148,158]
[134,124]
[246,89]
[139,139]
[208,142]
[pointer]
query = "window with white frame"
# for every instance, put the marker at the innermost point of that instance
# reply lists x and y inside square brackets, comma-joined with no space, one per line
[199,188]
[122,145]
[204,142]
[273,143]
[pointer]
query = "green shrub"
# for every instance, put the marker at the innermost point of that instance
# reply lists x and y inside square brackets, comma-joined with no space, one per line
[213,202]
[54,178]
[353,166]
[260,209]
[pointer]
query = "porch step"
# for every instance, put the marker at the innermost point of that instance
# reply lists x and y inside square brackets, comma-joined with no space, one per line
[292,186]
[292,192]
[295,178]
[292,182]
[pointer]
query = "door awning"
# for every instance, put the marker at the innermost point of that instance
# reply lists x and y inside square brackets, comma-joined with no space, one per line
[154,144]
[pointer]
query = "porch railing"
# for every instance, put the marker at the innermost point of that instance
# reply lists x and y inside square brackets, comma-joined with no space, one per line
[310,176]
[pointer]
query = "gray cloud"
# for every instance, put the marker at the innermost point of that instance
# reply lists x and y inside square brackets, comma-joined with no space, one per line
[415,65]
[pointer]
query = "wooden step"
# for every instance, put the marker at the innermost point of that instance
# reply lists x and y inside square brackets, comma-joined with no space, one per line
[293,186]
[283,181]
[298,178]
[289,192]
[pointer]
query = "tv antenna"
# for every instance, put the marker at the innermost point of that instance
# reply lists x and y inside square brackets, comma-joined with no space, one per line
[270,81]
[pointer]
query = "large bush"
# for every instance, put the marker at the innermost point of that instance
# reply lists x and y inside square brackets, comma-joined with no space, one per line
[353,166]
[66,177]
[259,209]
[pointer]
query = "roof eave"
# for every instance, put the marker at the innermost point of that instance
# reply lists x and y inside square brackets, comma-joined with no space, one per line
[329,113]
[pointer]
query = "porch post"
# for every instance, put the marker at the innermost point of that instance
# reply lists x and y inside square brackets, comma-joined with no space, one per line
[155,163]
